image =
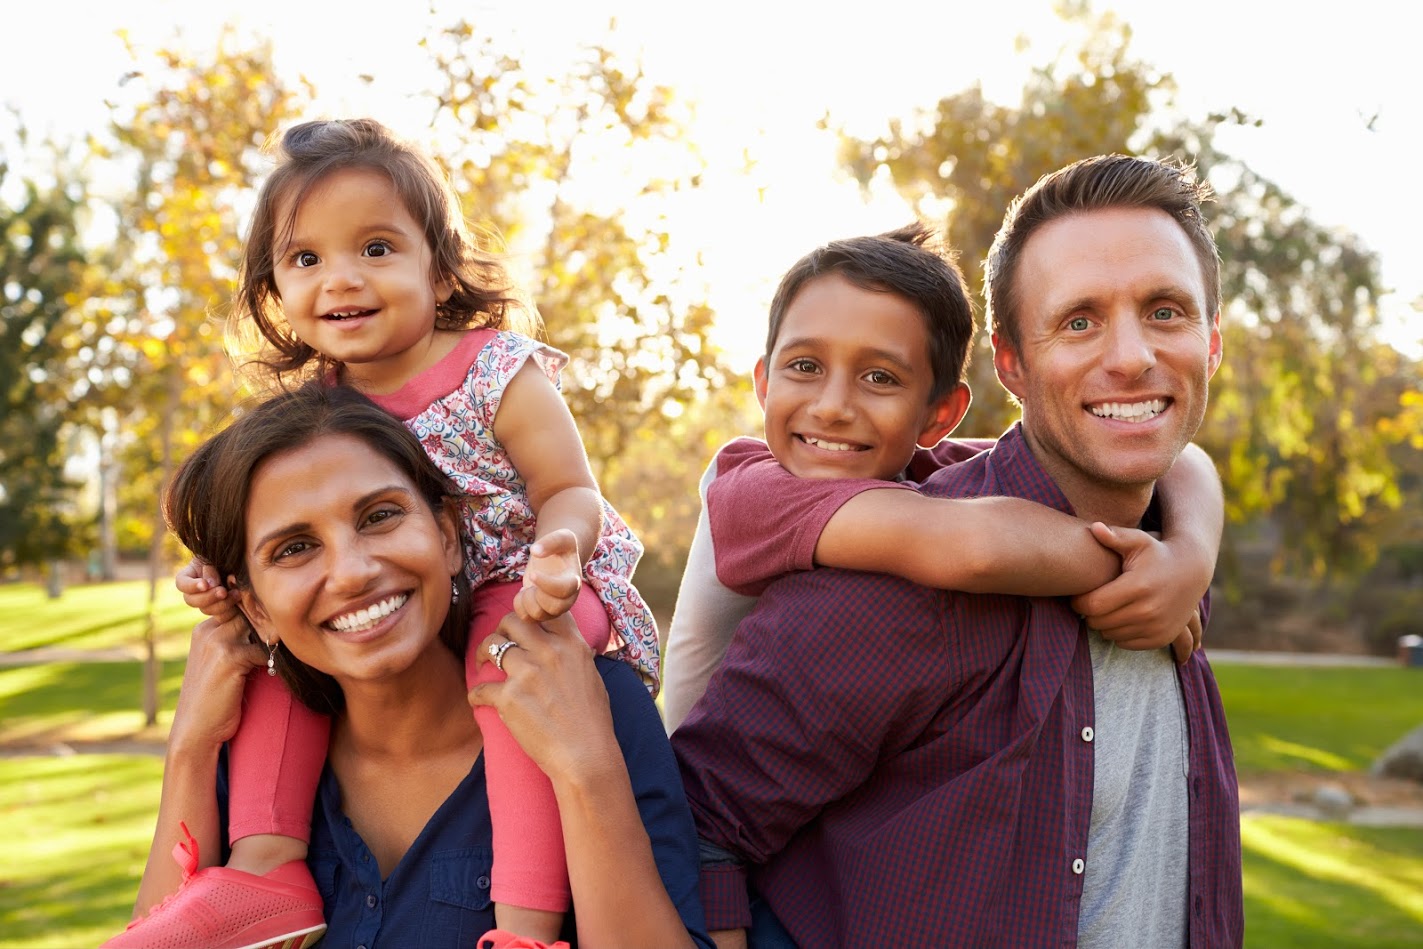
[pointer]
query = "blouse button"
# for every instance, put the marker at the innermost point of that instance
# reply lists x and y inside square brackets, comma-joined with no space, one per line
[1078,866]
[482,883]
[1087,733]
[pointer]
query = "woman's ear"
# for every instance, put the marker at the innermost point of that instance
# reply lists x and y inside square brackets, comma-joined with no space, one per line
[252,608]
[449,521]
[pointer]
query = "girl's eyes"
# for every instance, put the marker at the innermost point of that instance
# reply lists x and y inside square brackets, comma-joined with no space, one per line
[378,249]
[305,258]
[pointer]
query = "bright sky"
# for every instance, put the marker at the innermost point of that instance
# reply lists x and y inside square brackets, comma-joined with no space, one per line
[1337,88]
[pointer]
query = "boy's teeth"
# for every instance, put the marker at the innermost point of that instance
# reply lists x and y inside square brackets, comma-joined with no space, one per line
[1130,411]
[829,446]
[364,619]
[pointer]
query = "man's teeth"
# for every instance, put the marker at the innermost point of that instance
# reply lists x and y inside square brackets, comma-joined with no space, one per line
[829,446]
[1130,411]
[368,617]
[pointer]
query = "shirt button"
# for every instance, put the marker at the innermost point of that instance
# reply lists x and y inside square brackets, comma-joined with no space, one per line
[371,899]
[1087,733]
[482,883]
[1078,866]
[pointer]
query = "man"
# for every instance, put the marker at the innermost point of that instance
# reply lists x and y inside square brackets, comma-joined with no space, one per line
[900,766]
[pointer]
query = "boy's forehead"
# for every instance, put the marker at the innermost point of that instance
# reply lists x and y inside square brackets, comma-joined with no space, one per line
[832,311]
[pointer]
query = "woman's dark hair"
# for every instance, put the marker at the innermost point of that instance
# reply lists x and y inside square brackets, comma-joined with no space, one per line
[206,504]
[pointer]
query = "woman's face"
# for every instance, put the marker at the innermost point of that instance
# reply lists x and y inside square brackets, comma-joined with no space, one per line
[349,566]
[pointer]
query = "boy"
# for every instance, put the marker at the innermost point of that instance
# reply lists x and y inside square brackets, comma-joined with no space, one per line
[862,376]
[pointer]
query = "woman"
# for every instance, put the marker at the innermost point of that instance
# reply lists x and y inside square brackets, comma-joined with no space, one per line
[344,552]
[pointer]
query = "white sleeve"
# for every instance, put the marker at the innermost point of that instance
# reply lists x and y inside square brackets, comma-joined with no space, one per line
[706,615]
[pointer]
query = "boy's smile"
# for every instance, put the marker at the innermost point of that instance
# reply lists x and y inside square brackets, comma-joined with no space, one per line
[846,389]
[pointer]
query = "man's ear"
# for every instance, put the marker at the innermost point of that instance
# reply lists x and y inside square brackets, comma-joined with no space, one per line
[1008,363]
[945,413]
[759,374]
[1217,346]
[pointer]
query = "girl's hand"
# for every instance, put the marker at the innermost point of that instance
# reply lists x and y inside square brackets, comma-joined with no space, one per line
[1150,605]
[210,702]
[552,579]
[553,700]
[202,590]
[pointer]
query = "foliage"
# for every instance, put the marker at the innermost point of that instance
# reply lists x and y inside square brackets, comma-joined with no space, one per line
[41,280]
[1308,403]
[579,168]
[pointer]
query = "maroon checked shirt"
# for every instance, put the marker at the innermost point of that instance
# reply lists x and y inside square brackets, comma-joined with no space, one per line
[906,767]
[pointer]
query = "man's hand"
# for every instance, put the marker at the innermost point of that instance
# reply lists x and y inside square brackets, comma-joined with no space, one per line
[729,938]
[1149,606]
[552,579]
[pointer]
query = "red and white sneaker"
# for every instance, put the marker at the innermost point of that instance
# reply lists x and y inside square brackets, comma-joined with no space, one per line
[218,908]
[503,939]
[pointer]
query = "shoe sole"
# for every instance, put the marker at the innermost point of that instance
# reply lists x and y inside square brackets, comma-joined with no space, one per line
[298,940]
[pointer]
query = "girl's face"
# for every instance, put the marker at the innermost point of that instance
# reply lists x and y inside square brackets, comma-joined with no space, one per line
[355,279]
[348,565]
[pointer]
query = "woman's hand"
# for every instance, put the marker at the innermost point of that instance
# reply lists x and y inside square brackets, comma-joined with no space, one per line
[220,656]
[553,700]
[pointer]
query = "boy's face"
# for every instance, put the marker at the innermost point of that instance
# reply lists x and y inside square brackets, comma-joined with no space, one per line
[846,389]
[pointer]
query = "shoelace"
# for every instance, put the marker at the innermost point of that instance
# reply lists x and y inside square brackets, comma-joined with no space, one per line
[185,852]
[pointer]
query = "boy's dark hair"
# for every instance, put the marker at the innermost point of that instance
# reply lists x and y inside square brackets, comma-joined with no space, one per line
[1096,184]
[483,294]
[911,263]
[206,504]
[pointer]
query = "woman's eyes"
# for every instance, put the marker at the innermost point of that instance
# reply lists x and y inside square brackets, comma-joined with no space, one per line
[291,549]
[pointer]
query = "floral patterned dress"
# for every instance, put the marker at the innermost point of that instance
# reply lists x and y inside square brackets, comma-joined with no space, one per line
[451,408]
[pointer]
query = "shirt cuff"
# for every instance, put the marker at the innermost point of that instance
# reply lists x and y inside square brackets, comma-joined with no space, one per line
[723,891]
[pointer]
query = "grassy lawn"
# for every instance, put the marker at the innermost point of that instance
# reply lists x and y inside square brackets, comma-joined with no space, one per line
[1287,718]
[79,826]
[92,616]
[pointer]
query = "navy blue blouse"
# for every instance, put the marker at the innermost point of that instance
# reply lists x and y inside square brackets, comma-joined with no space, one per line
[438,895]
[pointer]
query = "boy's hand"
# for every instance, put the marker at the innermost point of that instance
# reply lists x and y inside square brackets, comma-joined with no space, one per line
[202,590]
[1151,604]
[552,579]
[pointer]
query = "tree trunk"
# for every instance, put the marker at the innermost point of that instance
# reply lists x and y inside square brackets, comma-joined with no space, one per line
[155,555]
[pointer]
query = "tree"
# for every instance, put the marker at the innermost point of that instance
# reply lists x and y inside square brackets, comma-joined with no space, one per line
[1296,424]
[41,274]
[194,144]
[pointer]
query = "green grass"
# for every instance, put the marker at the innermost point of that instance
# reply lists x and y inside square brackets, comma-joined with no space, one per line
[92,616]
[1321,719]
[94,701]
[77,835]
[1331,886]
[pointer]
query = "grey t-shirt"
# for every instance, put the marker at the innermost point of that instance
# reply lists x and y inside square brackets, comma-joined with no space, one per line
[1135,892]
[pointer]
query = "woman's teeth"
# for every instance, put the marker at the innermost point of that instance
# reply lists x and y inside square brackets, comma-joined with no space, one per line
[368,617]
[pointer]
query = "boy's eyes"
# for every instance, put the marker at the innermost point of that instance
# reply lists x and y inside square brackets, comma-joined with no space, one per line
[880,378]
[802,365]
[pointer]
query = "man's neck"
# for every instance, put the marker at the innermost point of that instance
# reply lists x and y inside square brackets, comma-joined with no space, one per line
[1092,499]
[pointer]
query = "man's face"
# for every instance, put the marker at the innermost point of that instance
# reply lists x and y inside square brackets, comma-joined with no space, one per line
[1118,345]
[846,388]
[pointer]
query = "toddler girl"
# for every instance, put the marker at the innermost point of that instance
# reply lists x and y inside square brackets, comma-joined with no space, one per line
[359,267]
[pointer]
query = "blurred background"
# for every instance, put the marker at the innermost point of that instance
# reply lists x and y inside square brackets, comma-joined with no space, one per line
[651,170]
